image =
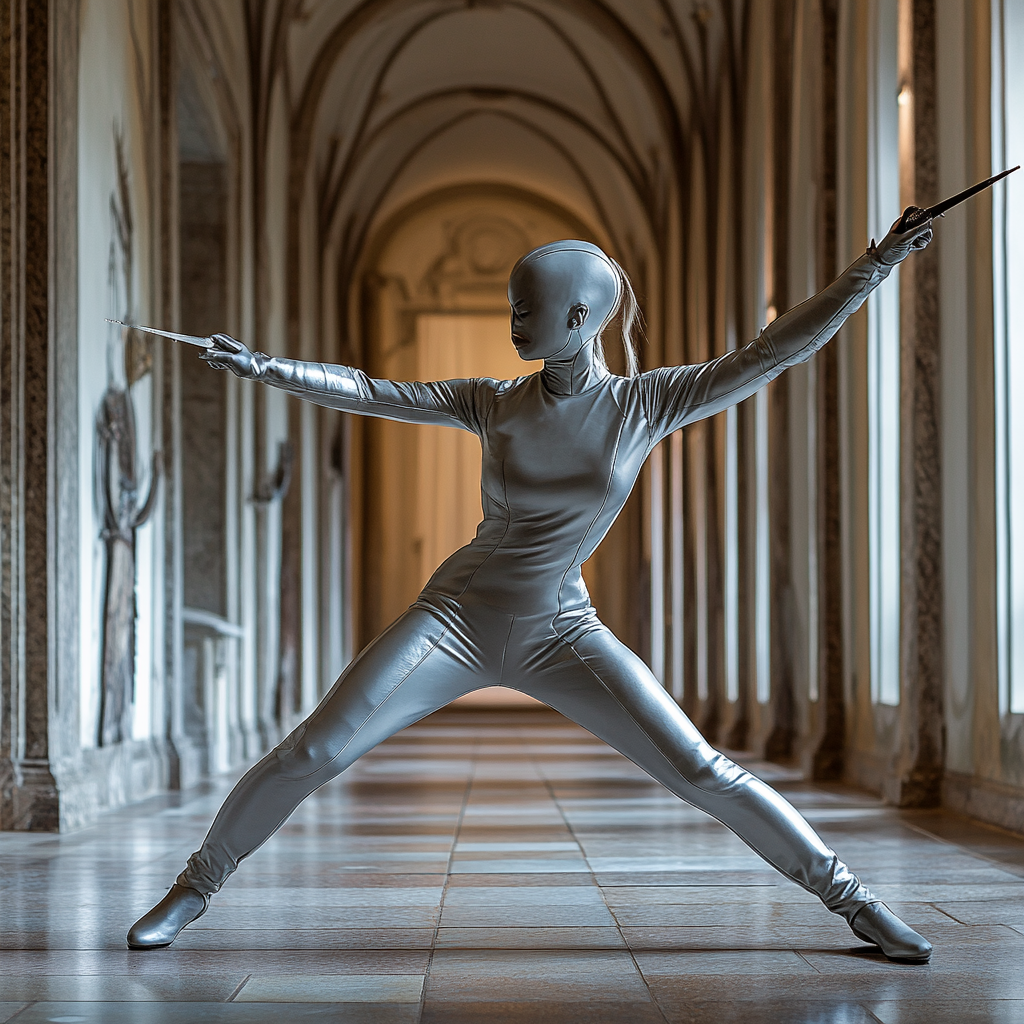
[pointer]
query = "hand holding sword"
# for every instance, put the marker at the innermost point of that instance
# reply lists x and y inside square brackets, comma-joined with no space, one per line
[914,216]
[913,229]
[221,351]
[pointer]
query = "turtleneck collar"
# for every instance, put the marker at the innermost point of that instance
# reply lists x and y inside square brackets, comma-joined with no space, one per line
[575,375]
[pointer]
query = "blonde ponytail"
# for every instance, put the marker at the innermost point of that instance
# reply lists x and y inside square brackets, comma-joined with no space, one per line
[632,320]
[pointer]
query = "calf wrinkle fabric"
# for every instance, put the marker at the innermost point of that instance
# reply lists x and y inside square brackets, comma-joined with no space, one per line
[562,449]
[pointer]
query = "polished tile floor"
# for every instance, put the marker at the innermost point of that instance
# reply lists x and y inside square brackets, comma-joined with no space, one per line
[505,866]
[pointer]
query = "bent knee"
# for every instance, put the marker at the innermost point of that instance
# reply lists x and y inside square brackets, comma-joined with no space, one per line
[708,770]
[307,751]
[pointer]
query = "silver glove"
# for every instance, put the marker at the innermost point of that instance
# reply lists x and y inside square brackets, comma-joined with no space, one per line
[897,246]
[229,354]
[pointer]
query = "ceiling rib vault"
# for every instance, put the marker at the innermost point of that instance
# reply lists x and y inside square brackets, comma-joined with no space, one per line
[584,103]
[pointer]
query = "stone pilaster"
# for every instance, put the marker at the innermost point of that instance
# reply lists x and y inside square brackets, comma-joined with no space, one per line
[916,775]
[28,792]
[828,743]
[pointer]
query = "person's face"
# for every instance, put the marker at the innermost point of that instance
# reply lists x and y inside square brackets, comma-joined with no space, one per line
[546,319]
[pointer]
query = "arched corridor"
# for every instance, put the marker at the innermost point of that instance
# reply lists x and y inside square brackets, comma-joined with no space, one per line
[826,577]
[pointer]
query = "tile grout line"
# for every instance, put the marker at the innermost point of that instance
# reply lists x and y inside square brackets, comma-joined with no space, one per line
[593,875]
[447,878]
[946,913]
[806,961]
[238,988]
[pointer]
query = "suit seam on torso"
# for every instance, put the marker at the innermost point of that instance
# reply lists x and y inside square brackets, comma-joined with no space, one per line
[485,422]
[604,502]
[497,543]
[645,407]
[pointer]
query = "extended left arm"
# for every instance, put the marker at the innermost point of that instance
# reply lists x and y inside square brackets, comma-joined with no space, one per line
[677,395]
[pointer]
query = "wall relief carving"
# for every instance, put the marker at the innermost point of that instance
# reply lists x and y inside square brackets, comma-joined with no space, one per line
[118,477]
[476,262]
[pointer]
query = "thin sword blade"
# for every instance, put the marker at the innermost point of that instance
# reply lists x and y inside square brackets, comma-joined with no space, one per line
[948,204]
[188,339]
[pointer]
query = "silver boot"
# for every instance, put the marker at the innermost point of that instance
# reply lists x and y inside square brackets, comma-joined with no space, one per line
[160,927]
[877,924]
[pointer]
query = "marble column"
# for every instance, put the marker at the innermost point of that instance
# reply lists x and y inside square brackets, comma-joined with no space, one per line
[714,454]
[915,775]
[38,415]
[778,744]
[827,745]
[184,757]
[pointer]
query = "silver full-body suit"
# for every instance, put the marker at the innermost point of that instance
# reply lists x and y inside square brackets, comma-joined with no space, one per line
[562,449]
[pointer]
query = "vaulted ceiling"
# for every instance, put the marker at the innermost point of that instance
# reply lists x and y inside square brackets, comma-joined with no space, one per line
[590,103]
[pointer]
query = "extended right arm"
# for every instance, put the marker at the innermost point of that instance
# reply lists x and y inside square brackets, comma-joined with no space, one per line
[453,403]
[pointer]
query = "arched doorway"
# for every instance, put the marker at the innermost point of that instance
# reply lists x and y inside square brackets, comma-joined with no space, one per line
[436,305]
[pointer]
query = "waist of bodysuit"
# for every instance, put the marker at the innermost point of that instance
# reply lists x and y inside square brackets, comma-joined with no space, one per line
[504,580]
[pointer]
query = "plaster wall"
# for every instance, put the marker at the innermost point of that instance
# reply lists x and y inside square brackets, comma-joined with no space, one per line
[114,56]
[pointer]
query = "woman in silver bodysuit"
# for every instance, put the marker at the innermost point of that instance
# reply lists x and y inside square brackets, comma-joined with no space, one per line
[562,449]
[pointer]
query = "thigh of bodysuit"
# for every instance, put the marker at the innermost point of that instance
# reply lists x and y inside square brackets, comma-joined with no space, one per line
[596,681]
[417,665]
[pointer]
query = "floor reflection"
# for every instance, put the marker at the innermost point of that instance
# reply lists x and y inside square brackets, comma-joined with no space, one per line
[505,866]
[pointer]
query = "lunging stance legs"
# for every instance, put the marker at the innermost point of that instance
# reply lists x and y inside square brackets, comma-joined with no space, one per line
[427,659]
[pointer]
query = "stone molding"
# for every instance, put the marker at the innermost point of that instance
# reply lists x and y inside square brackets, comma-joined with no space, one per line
[994,802]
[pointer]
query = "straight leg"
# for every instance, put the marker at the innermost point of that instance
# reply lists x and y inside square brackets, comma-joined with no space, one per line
[416,666]
[596,681]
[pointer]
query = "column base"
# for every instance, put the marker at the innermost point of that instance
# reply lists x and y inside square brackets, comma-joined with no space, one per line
[61,796]
[993,802]
[917,788]
[29,800]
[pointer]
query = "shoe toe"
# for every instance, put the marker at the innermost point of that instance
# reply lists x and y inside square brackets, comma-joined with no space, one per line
[141,935]
[877,924]
[160,927]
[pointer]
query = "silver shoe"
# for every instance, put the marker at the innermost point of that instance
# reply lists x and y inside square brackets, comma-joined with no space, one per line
[877,924]
[160,927]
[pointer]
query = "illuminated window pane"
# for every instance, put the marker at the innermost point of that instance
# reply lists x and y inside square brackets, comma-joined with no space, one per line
[762,621]
[884,363]
[1008,296]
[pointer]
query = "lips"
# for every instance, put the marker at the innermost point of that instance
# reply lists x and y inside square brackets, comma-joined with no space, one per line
[519,341]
